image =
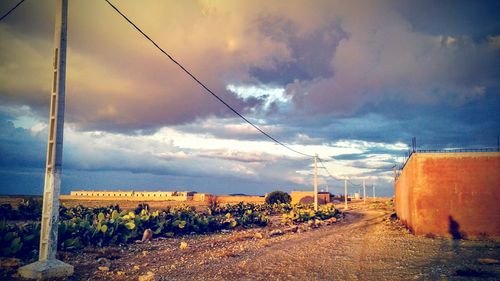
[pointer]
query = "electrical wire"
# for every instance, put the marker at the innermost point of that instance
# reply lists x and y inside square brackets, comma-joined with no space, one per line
[215,95]
[203,85]
[327,171]
[349,181]
[11,10]
[354,184]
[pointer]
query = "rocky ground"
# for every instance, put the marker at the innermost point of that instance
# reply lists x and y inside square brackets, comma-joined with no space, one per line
[366,244]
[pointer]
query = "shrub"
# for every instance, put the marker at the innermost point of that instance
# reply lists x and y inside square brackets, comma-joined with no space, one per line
[277,197]
[140,207]
[30,209]
[213,205]
[7,212]
[301,213]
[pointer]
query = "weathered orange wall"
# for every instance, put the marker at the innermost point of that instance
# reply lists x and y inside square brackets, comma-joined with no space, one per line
[450,194]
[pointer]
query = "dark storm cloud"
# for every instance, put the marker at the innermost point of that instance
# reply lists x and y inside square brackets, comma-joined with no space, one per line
[310,53]
[334,58]
[116,81]
[477,19]
[19,148]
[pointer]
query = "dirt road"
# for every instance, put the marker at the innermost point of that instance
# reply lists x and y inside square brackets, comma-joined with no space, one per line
[365,245]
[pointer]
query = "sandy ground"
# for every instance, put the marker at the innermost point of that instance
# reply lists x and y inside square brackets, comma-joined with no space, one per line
[364,245]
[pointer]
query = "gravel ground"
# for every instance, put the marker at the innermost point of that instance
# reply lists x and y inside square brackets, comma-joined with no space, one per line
[364,245]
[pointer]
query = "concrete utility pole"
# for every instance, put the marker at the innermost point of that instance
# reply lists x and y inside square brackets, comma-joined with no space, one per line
[315,182]
[364,192]
[345,193]
[47,265]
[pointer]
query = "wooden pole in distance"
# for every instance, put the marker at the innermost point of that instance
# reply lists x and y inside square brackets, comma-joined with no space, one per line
[345,193]
[315,182]
[364,192]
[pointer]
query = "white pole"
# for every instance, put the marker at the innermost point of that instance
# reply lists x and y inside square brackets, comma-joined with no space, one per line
[364,192]
[373,190]
[315,183]
[345,193]
[47,265]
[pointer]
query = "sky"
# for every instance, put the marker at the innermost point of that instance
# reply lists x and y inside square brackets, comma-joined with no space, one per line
[352,81]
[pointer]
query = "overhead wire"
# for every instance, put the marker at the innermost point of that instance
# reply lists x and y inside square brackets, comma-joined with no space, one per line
[335,178]
[213,93]
[327,171]
[354,184]
[203,85]
[11,10]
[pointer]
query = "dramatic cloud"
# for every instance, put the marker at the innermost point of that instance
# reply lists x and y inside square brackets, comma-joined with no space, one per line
[350,80]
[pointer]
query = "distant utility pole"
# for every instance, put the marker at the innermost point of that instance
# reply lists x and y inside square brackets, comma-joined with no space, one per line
[373,189]
[395,176]
[315,182]
[47,265]
[364,192]
[345,193]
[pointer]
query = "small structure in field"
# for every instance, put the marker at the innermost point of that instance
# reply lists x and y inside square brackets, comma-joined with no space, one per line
[307,197]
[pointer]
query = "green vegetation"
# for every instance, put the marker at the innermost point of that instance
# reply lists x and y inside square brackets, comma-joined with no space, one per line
[20,240]
[81,226]
[301,213]
[277,197]
[29,209]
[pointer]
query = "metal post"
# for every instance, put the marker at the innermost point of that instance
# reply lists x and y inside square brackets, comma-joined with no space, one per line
[48,266]
[364,192]
[315,183]
[345,193]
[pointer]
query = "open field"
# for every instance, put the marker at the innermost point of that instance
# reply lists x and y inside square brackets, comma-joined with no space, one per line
[130,205]
[14,200]
[366,244]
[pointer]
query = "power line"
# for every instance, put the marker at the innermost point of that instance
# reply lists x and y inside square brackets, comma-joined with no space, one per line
[203,85]
[214,94]
[327,171]
[352,183]
[11,10]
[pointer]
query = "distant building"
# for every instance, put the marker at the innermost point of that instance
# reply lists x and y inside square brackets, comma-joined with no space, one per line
[307,197]
[357,196]
[137,195]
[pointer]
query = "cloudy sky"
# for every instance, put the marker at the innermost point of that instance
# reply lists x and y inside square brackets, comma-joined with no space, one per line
[352,81]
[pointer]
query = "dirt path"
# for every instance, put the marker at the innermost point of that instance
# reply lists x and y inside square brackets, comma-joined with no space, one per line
[365,245]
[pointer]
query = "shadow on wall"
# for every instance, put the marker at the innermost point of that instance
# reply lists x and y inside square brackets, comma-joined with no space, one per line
[310,200]
[454,229]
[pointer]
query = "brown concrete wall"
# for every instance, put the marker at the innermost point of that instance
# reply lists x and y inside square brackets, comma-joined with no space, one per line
[306,197]
[201,197]
[450,194]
